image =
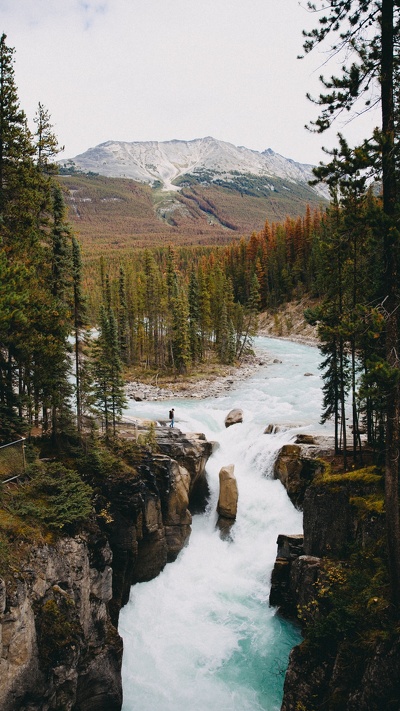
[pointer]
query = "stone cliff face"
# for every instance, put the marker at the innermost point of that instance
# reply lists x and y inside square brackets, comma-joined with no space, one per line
[335,673]
[59,645]
[152,513]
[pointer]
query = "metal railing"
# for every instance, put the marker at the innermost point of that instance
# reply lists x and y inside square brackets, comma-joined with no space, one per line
[12,460]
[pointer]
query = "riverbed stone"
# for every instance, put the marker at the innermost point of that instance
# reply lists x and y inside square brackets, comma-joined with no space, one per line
[234,417]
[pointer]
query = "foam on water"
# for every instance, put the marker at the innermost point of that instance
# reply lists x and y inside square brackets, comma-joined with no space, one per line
[201,636]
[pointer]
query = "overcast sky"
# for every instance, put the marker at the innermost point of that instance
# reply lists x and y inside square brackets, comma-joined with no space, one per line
[137,70]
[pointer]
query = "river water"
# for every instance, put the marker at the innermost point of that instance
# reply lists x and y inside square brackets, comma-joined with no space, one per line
[201,636]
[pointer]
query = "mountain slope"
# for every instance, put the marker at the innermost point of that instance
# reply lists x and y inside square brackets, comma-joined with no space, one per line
[206,159]
[124,195]
[114,215]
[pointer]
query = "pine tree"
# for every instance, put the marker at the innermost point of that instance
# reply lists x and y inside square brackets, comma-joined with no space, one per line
[80,321]
[16,149]
[123,319]
[108,384]
[45,141]
[368,30]
[13,300]
[251,317]
[194,317]
[180,343]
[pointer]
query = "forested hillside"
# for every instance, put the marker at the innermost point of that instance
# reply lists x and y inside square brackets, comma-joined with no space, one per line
[169,306]
[113,215]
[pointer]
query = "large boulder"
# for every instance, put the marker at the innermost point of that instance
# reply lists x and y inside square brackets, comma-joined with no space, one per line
[227,502]
[228,493]
[233,417]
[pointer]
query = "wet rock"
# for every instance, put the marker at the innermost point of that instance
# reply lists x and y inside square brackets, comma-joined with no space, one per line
[228,493]
[295,471]
[234,417]
[190,450]
[272,429]
[178,518]
[290,547]
[305,439]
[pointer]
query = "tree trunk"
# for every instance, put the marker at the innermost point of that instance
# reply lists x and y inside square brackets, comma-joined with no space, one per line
[391,247]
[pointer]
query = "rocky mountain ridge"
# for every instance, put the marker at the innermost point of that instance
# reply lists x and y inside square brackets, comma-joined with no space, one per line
[171,164]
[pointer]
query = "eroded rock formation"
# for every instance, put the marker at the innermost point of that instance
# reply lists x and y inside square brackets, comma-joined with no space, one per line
[228,499]
[296,467]
[339,516]
[59,645]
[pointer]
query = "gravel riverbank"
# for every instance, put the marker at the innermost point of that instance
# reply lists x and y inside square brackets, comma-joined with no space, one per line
[198,388]
[286,323]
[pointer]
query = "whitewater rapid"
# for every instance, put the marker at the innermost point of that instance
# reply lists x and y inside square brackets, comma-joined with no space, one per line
[201,636]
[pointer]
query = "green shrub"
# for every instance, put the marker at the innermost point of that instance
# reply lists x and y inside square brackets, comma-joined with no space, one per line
[55,496]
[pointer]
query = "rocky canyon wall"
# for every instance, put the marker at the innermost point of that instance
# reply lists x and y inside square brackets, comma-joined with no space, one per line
[59,645]
[350,657]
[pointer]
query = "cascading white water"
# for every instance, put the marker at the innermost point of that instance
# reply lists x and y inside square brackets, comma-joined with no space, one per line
[201,636]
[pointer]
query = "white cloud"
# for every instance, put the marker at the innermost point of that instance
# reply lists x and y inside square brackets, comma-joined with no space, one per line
[160,69]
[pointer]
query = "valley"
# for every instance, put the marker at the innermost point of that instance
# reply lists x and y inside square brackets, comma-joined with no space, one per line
[118,214]
[204,192]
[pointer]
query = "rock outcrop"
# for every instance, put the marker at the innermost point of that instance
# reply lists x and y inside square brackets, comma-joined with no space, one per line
[234,417]
[152,512]
[228,499]
[282,593]
[296,467]
[332,519]
[342,513]
[59,645]
[190,450]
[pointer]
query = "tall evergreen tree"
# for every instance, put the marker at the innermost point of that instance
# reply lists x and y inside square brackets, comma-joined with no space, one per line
[123,319]
[80,321]
[180,343]
[45,141]
[108,384]
[368,30]
[194,317]
[16,149]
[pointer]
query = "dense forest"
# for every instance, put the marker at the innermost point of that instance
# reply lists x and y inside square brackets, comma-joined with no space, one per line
[171,308]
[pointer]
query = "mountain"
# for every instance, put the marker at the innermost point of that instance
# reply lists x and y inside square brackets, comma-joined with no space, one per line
[204,192]
[171,164]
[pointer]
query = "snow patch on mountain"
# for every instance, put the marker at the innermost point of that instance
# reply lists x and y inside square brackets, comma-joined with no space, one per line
[165,161]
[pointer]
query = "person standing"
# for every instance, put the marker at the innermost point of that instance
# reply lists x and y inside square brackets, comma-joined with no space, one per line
[172,417]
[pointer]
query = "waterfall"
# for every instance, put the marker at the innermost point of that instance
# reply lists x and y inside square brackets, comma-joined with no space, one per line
[201,636]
